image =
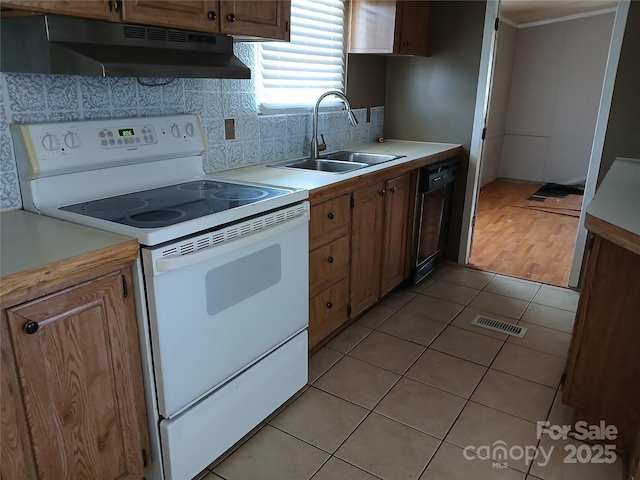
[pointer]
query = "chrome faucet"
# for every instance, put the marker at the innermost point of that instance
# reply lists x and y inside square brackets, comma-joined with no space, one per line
[315,147]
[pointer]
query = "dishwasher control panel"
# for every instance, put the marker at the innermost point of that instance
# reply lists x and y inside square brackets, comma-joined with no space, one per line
[438,175]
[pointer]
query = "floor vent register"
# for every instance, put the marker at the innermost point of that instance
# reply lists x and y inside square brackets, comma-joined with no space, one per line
[499,326]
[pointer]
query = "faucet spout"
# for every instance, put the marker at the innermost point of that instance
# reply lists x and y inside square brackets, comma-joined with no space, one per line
[316,148]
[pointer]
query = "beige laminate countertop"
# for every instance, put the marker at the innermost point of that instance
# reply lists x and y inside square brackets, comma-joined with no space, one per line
[614,212]
[35,248]
[311,180]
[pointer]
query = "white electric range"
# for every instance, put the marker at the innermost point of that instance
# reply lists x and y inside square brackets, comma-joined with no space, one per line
[222,285]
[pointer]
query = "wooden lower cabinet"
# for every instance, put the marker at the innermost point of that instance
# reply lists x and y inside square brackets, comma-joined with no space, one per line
[358,251]
[329,250]
[379,235]
[367,230]
[72,396]
[603,367]
[398,209]
[328,312]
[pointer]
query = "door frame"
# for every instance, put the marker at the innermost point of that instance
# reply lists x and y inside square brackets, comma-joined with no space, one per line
[619,24]
[485,81]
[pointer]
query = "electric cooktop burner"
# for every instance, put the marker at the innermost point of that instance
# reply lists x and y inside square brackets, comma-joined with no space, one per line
[164,206]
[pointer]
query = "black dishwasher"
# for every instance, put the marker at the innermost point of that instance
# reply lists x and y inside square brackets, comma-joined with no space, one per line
[436,188]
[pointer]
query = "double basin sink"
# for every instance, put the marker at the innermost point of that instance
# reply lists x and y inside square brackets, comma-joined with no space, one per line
[338,162]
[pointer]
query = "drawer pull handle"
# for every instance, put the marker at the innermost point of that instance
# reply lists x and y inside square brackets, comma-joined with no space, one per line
[331,215]
[329,304]
[330,259]
[31,327]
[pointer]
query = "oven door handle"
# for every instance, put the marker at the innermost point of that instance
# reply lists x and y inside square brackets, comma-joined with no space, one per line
[173,263]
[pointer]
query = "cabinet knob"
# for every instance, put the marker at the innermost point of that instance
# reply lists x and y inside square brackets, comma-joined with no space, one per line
[405,44]
[382,192]
[31,327]
[329,304]
[231,17]
[330,259]
[331,216]
[393,189]
[211,15]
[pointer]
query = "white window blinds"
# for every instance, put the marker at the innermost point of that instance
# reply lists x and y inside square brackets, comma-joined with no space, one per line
[291,76]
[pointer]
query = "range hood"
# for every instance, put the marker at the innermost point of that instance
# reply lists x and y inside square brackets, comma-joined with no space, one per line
[75,46]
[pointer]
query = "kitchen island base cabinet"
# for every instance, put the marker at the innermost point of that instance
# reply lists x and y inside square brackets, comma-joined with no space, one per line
[72,397]
[603,367]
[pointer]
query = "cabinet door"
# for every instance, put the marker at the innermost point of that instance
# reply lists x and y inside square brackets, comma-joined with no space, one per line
[101,9]
[412,28]
[396,226]
[373,23]
[261,18]
[78,364]
[366,246]
[400,27]
[185,14]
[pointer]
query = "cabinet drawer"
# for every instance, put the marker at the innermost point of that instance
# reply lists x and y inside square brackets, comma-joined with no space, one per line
[327,312]
[329,220]
[328,264]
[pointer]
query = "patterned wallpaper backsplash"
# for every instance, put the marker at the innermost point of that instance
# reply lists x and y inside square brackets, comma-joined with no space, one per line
[259,138]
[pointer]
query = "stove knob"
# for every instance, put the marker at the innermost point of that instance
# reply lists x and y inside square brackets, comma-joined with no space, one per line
[50,143]
[189,129]
[175,130]
[72,140]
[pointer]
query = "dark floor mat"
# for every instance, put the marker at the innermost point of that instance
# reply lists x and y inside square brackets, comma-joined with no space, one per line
[555,190]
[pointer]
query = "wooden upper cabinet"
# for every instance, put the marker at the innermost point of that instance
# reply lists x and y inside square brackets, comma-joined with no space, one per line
[390,27]
[181,14]
[261,18]
[75,385]
[97,9]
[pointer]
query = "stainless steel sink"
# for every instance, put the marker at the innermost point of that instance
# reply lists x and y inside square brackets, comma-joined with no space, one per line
[322,165]
[338,162]
[361,157]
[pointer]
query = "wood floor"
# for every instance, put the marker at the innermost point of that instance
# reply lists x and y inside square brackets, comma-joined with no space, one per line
[531,243]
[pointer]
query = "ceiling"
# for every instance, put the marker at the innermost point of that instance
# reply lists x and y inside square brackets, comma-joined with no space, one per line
[527,11]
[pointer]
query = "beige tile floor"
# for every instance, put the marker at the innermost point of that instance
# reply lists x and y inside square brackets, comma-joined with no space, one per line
[411,390]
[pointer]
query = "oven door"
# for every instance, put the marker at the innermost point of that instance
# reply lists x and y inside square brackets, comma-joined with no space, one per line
[216,311]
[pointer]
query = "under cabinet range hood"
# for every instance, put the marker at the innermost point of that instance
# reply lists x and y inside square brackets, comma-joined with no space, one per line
[75,46]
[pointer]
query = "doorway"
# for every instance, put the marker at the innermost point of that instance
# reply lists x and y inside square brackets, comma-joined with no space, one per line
[542,111]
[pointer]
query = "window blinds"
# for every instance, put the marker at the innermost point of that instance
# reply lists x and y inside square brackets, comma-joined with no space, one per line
[293,75]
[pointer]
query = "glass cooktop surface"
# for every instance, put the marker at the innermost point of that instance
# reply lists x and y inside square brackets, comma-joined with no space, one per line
[164,206]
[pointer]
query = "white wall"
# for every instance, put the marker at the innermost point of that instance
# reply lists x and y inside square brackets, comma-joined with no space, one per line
[553,103]
[498,103]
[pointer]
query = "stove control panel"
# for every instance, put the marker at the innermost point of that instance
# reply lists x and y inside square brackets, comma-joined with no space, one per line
[123,137]
[67,147]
